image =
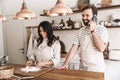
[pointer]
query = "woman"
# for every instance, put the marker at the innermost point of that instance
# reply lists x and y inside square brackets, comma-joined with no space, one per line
[48,48]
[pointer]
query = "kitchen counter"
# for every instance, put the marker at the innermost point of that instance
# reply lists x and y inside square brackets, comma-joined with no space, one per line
[66,74]
[71,75]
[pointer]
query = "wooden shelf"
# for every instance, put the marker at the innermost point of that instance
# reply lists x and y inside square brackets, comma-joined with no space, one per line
[44,15]
[65,29]
[79,28]
[63,55]
[54,29]
[32,27]
[72,29]
[101,8]
[109,7]
[112,26]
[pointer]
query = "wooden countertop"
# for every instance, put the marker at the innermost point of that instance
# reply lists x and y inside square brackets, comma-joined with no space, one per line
[71,75]
[66,74]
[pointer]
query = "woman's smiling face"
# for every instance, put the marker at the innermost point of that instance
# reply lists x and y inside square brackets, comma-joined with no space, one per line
[43,33]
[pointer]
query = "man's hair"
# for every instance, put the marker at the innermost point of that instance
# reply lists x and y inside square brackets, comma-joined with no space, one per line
[94,9]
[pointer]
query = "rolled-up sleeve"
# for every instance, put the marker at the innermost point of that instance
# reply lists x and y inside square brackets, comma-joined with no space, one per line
[56,53]
[77,37]
[103,34]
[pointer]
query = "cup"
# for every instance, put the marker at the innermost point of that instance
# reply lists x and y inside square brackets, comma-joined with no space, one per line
[45,11]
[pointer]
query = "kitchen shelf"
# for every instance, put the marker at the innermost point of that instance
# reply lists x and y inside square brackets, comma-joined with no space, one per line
[79,28]
[63,55]
[72,29]
[100,8]
[53,29]
[113,26]
[65,29]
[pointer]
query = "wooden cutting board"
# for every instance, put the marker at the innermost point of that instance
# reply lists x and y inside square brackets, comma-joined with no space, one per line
[17,71]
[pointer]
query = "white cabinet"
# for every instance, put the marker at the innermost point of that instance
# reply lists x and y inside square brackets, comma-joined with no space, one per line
[14,36]
[74,63]
[112,70]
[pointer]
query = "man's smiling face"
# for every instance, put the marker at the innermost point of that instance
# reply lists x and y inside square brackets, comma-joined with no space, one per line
[87,16]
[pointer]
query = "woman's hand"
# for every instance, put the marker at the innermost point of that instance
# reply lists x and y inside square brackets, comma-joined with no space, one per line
[29,62]
[63,67]
[40,64]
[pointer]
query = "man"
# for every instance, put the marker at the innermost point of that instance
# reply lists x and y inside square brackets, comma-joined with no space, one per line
[91,40]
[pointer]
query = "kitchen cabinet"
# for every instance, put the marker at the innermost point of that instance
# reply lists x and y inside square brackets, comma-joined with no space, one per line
[74,63]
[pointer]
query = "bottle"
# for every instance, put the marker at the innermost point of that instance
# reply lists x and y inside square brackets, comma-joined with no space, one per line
[54,25]
[76,24]
[62,24]
[70,23]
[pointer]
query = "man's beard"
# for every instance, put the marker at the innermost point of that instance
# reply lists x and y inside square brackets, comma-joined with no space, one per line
[86,22]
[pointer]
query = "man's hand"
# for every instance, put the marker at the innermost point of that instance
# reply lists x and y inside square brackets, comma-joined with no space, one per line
[63,67]
[92,25]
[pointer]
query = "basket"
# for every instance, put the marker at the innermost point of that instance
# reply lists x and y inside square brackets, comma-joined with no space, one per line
[81,6]
[6,72]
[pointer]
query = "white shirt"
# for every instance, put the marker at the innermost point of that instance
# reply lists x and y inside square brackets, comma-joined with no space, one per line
[100,30]
[90,58]
[45,53]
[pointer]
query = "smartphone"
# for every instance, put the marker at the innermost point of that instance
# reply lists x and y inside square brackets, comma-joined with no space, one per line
[94,19]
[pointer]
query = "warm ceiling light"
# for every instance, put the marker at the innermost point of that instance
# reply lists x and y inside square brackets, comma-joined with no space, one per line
[59,9]
[24,13]
[2,18]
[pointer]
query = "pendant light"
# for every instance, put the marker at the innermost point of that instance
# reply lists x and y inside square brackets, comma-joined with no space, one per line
[24,13]
[59,9]
[2,18]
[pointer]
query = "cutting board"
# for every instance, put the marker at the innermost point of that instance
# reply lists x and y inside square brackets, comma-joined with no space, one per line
[17,71]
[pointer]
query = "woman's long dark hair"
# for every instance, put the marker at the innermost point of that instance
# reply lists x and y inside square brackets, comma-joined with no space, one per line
[48,29]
